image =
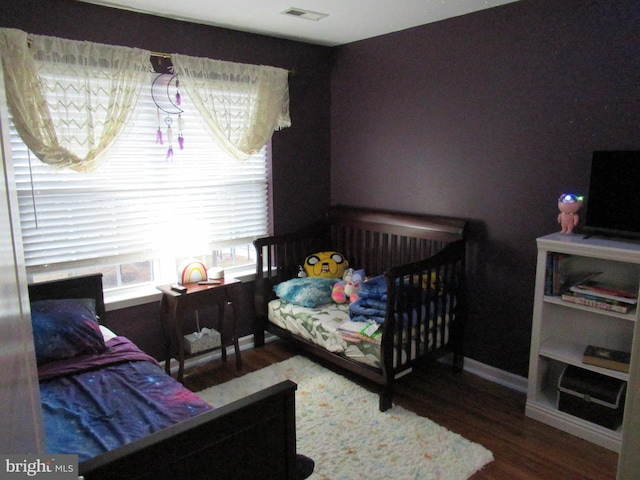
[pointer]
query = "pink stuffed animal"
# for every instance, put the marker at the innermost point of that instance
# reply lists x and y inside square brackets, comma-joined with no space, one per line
[568,204]
[337,293]
[347,289]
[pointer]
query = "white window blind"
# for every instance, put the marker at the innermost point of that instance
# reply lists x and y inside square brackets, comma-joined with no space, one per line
[138,205]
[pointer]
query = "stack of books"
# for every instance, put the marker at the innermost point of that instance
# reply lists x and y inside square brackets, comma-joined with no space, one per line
[607,358]
[596,294]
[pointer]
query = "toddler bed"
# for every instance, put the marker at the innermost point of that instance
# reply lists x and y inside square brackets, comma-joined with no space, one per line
[114,406]
[411,308]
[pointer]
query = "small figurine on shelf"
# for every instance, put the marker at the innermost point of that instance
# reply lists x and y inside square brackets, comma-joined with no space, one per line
[569,204]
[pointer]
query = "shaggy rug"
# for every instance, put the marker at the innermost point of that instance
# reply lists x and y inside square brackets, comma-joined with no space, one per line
[339,426]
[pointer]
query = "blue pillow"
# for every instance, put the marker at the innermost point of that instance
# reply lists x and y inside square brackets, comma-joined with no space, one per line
[306,291]
[65,328]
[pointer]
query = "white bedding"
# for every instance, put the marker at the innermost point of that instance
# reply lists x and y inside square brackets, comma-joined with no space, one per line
[322,326]
[106,333]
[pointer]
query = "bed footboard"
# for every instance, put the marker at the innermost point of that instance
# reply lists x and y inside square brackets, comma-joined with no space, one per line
[426,309]
[241,440]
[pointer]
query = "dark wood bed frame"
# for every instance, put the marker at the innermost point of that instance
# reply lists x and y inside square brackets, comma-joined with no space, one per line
[382,242]
[254,437]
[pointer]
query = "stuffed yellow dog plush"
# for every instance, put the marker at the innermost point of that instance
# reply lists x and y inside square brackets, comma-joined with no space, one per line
[326,265]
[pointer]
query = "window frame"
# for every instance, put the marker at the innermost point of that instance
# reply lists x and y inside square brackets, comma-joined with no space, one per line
[163,274]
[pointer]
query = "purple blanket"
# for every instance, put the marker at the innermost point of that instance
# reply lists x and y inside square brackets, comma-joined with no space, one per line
[119,349]
[95,403]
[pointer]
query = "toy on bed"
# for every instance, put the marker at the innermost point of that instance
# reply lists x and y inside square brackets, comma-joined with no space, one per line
[411,308]
[347,289]
[114,406]
[325,265]
[352,281]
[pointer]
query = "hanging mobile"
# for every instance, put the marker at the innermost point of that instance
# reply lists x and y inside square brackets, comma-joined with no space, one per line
[169,121]
[160,93]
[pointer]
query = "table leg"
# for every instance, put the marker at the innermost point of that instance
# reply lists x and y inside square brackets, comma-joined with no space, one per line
[236,344]
[164,319]
[221,319]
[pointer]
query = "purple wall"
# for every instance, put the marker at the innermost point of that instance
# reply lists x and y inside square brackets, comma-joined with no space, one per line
[489,116]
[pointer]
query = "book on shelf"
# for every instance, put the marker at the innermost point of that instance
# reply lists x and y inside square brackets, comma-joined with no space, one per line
[557,273]
[597,302]
[603,291]
[607,358]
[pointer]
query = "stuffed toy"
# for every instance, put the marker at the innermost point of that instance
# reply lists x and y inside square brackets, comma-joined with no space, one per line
[353,279]
[568,204]
[326,265]
[431,282]
[337,293]
[347,289]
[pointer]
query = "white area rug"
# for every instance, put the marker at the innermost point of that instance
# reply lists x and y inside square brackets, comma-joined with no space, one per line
[340,427]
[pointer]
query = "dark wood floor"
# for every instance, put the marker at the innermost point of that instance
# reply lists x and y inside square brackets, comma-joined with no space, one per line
[477,409]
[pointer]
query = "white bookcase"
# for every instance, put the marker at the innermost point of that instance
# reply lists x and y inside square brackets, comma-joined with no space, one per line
[562,330]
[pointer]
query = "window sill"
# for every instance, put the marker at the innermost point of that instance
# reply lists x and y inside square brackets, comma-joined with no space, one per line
[132,297]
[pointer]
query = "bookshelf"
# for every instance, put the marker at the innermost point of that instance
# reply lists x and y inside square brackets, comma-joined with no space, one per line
[561,330]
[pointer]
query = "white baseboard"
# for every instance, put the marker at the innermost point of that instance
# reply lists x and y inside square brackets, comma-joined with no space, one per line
[493,374]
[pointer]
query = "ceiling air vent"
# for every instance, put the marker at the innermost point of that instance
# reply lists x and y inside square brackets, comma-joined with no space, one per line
[306,14]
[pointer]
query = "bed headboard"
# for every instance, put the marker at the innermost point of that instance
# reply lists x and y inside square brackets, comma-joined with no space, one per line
[431,227]
[86,286]
[377,240]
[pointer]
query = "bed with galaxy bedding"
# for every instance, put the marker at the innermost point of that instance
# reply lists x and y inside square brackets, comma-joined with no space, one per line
[113,405]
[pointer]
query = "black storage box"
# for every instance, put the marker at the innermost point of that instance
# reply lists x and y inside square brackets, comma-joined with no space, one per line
[591,396]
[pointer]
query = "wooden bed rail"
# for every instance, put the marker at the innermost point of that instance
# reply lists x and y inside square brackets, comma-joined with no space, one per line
[446,266]
[249,438]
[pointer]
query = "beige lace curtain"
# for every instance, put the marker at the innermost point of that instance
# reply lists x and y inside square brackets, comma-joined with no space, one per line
[69,99]
[242,104]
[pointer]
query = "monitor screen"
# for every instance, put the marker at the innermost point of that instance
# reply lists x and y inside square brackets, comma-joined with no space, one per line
[613,200]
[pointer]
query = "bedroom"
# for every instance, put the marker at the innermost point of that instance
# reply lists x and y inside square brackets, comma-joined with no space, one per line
[498,111]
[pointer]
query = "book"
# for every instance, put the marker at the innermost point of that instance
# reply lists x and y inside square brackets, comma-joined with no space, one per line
[607,358]
[596,302]
[603,291]
[556,273]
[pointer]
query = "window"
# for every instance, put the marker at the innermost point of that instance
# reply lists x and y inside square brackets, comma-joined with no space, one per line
[140,213]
